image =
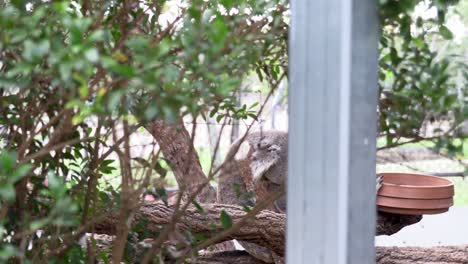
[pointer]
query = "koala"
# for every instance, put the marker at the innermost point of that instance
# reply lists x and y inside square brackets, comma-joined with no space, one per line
[269,164]
[257,164]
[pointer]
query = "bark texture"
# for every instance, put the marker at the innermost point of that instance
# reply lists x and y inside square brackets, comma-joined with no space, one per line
[419,255]
[228,257]
[384,255]
[389,224]
[176,145]
[266,229]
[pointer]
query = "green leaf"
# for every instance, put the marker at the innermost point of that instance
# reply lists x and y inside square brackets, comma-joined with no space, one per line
[226,220]
[394,56]
[7,192]
[8,251]
[92,55]
[246,208]
[445,32]
[83,91]
[56,186]
[195,13]
[33,51]
[20,173]
[107,162]
[199,237]
[103,256]
[254,105]
[227,3]
[198,206]
[7,161]
[37,224]
[220,31]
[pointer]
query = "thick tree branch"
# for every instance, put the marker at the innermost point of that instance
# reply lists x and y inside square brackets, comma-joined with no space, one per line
[384,255]
[266,229]
[389,224]
[419,255]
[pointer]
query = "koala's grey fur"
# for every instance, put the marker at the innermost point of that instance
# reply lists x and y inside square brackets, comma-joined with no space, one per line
[269,161]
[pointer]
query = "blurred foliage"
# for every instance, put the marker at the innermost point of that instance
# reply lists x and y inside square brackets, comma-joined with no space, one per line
[420,84]
[74,74]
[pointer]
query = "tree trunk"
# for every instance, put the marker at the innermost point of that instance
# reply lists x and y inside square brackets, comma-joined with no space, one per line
[177,147]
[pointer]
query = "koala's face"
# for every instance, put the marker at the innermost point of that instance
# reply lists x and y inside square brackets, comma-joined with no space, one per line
[268,150]
[264,147]
[268,142]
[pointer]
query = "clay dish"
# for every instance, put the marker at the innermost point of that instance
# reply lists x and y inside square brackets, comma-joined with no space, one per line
[412,211]
[416,186]
[415,203]
[414,194]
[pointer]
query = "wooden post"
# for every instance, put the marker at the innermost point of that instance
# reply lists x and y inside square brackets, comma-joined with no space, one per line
[332,131]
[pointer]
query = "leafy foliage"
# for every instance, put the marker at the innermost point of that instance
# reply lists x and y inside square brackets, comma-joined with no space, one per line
[418,85]
[78,78]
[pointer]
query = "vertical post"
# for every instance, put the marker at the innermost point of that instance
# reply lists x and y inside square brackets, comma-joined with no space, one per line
[332,131]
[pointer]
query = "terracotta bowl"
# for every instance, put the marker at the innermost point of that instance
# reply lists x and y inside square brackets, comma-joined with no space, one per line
[414,194]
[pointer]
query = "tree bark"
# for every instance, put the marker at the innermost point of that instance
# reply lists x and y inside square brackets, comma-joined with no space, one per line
[389,224]
[228,257]
[176,145]
[419,255]
[384,255]
[266,229]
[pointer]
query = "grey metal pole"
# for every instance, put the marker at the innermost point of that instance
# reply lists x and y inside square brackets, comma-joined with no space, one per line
[332,131]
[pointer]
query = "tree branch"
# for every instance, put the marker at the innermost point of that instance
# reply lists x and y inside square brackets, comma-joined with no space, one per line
[267,228]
